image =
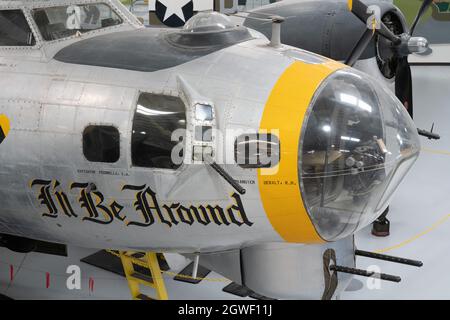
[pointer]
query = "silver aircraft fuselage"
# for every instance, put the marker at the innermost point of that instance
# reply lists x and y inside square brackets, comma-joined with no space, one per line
[52,91]
[50,103]
[345,143]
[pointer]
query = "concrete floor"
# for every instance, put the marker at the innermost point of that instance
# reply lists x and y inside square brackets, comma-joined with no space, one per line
[419,224]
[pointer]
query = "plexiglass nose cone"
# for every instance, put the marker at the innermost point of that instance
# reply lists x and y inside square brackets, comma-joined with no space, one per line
[357,144]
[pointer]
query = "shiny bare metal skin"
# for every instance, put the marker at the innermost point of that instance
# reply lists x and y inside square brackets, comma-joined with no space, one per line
[50,103]
[50,191]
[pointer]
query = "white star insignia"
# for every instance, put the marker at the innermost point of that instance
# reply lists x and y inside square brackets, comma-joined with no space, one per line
[174,7]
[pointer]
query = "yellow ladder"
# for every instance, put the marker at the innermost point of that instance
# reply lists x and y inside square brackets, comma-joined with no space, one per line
[135,279]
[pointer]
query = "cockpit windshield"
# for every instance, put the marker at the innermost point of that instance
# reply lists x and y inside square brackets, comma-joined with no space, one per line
[64,21]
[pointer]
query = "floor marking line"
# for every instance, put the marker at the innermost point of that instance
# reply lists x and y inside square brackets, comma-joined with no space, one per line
[428,230]
[417,236]
[442,152]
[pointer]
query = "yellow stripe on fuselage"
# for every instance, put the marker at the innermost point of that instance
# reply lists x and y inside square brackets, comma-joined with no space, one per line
[4,124]
[284,112]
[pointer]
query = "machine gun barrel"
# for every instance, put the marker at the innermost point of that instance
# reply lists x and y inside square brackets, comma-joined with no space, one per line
[385,257]
[224,175]
[365,273]
[428,134]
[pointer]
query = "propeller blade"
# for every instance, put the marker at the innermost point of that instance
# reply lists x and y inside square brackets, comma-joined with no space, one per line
[362,11]
[359,9]
[422,10]
[403,84]
[359,48]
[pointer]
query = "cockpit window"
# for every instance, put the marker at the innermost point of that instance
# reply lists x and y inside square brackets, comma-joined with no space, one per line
[65,21]
[14,29]
[158,122]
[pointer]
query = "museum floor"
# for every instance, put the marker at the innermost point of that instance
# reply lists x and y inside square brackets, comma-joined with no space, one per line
[419,214]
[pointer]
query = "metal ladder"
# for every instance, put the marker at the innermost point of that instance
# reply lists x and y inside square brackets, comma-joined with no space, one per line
[149,260]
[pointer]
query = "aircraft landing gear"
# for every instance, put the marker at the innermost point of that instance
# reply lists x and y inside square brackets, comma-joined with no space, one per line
[381,226]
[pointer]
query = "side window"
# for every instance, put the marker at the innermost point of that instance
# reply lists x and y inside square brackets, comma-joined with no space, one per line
[156,118]
[101,144]
[257,150]
[14,29]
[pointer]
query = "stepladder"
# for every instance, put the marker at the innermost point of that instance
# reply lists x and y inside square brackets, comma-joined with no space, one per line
[153,279]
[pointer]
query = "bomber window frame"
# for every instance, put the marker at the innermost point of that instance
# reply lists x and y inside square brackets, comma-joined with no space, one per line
[116,140]
[257,136]
[137,160]
[123,20]
[35,38]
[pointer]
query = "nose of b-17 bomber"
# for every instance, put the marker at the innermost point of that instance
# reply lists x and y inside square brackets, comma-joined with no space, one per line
[357,144]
